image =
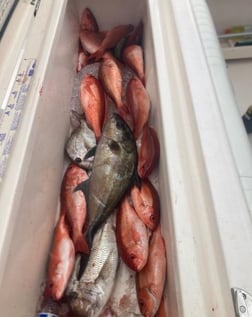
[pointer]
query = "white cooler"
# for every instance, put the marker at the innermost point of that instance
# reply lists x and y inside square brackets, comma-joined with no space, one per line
[205,214]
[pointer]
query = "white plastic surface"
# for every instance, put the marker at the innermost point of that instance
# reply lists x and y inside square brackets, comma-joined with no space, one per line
[219,126]
[198,283]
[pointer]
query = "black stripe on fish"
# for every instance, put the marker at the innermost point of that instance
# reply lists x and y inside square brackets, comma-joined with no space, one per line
[89,236]
[90,153]
[83,186]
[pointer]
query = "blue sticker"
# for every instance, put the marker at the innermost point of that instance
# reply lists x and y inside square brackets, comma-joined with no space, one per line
[47,315]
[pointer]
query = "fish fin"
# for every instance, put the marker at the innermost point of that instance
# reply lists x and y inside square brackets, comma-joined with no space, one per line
[90,153]
[137,180]
[81,245]
[96,56]
[86,164]
[119,47]
[83,263]
[84,257]
[83,186]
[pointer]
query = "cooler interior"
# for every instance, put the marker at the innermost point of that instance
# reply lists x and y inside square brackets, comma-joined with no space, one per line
[26,246]
[197,280]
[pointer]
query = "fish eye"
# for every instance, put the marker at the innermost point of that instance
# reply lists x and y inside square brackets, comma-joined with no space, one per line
[77,160]
[152,218]
[119,125]
[114,147]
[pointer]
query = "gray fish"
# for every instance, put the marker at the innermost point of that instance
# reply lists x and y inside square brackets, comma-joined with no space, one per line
[82,139]
[123,300]
[88,296]
[113,169]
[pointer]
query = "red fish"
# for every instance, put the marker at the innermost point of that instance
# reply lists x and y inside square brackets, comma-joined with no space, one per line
[61,261]
[82,61]
[93,103]
[132,236]
[91,41]
[74,203]
[133,57]
[149,152]
[111,79]
[161,310]
[138,103]
[111,39]
[146,203]
[88,21]
[151,280]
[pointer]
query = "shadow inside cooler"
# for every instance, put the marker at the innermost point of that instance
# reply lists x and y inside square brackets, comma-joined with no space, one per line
[38,210]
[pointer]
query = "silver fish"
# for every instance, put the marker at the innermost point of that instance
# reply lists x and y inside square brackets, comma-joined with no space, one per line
[113,169]
[81,140]
[88,296]
[123,300]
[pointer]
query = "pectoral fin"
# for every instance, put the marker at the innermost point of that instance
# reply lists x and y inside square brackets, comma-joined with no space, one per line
[90,153]
[83,187]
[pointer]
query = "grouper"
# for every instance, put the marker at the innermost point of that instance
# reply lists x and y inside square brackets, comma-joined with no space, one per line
[114,170]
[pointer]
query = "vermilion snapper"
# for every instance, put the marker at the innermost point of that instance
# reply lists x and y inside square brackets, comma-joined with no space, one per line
[146,203]
[61,261]
[91,41]
[138,103]
[133,57]
[93,103]
[88,21]
[74,204]
[132,236]
[111,79]
[151,280]
[111,39]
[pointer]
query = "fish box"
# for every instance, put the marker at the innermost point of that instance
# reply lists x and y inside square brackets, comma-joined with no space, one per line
[197,283]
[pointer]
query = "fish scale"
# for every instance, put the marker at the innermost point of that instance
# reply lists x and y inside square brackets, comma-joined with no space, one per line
[88,296]
[97,258]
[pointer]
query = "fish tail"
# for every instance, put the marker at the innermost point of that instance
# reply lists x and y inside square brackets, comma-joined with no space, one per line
[96,55]
[126,115]
[123,110]
[81,245]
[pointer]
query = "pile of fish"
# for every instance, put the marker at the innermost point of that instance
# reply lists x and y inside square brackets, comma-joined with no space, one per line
[108,255]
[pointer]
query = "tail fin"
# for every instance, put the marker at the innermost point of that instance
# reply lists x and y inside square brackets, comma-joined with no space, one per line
[126,115]
[96,56]
[81,245]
